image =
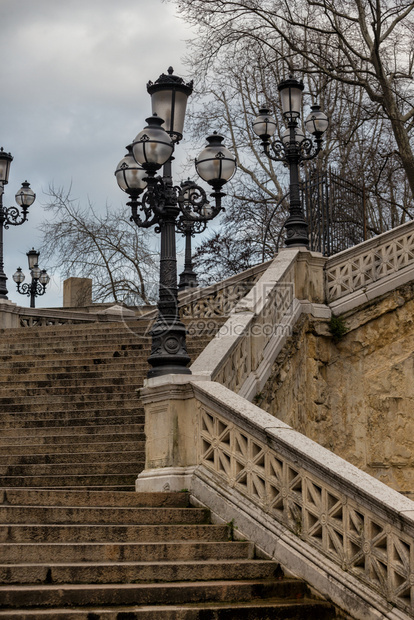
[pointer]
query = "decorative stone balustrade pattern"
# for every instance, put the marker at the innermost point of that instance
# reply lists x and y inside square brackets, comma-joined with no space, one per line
[356,268]
[41,321]
[338,524]
[43,317]
[218,300]
[218,303]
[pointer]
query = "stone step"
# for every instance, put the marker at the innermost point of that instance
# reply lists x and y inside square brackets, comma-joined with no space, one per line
[132,456]
[86,350]
[68,333]
[96,467]
[49,388]
[63,402]
[64,431]
[95,373]
[58,404]
[135,572]
[133,327]
[33,553]
[92,498]
[67,439]
[270,608]
[140,339]
[147,594]
[125,443]
[70,328]
[21,421]
[88,481]
[69,399]
[101,515]
[93,359]
[29,533]
[130,409]
[104,343]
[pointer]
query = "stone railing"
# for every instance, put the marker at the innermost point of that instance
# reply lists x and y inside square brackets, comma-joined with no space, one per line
[388,258]
[44,317]
[241,355]
[219,299]
[347,534]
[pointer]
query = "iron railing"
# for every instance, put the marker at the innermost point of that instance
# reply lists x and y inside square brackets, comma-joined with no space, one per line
[335,209]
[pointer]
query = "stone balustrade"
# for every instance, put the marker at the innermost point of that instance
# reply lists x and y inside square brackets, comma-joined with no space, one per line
[346,533]
[219,299]
[371,268]
[242,353]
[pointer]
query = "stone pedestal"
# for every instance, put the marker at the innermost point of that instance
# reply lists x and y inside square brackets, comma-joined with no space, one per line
[171,436]
[9,315]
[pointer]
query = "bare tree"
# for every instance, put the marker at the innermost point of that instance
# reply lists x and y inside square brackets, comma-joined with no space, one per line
[108,248]
[242,50]
[367,44]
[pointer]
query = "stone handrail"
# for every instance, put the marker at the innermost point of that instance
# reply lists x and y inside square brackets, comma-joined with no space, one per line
[381,258]
[241,354]
[349,535]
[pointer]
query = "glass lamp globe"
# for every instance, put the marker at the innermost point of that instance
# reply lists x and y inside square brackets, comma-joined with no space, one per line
[44,277]
[215,164]
[169,96]
[35,272]
[130,175]
[317,121]
[291,97]
[19,276]
[152,147]
[299,136]
[5,161]
[32,258]
[25,196]
[264,125]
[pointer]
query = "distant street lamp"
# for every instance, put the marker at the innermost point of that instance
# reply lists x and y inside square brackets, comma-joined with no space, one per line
[11,216]
[293,148]
[40,278]
[189,227]
[163,201]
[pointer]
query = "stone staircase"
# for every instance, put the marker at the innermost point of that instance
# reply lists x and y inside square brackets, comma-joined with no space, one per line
[76,540]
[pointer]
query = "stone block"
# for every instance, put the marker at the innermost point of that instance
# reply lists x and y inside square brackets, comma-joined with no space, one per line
[77,292]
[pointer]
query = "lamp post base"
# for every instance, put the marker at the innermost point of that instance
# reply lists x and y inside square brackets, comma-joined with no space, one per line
[296,232]
[188,279]
[168,354]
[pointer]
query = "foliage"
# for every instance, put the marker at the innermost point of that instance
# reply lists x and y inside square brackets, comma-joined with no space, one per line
[108,248]
[337,327]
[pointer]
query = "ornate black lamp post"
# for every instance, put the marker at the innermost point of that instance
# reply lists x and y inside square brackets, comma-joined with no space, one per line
[162,202]
[11,216]
[40,278]
[293,149]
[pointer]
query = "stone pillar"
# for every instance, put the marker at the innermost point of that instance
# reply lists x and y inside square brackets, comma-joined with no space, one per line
[9,314]
[310,276]
[170,430]
[77,292]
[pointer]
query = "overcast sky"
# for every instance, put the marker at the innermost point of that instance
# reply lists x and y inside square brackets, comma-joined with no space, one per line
[73,94]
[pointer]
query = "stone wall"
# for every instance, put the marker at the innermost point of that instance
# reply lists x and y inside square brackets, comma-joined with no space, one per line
[354,395]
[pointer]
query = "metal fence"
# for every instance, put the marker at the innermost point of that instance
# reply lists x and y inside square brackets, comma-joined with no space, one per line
[335,209]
